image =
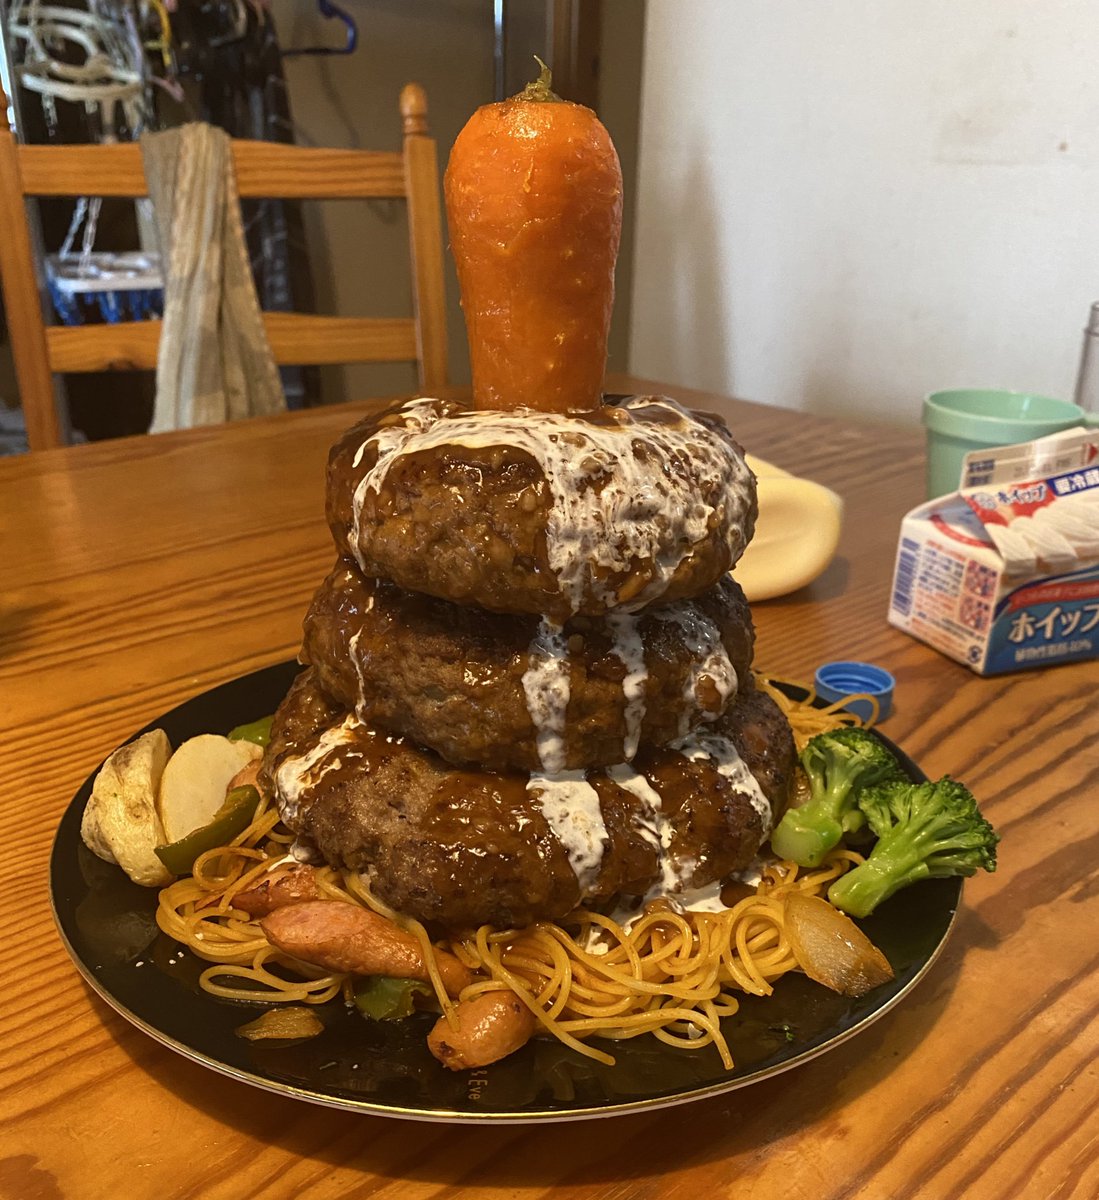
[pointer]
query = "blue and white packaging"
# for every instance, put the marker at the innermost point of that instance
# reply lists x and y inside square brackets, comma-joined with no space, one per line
[1003,574]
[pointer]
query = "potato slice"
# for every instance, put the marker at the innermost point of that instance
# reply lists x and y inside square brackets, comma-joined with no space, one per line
[831,948]
[120,823]
[196,780]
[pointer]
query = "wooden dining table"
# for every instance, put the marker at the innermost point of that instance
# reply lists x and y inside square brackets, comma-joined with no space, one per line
[139,572]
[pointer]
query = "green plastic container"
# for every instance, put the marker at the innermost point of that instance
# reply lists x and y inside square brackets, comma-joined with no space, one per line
[976,418]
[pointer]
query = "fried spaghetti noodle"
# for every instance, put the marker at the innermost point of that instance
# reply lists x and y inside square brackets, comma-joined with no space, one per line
[672,974]
[806,719]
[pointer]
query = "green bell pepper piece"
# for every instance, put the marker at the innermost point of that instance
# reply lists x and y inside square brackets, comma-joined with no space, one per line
[383,998]
[234,816]
[258,732]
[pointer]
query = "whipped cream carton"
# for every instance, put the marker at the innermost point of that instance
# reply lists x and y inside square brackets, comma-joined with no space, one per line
[1003,574]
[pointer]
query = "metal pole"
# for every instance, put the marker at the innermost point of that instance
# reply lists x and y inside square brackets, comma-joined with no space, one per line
[498,23]
[12,116]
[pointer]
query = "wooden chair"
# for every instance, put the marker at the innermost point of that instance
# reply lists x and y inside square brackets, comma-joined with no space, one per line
[263,169]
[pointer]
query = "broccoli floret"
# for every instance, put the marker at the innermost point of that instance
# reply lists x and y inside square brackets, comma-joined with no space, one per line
[924,830]
[839,765]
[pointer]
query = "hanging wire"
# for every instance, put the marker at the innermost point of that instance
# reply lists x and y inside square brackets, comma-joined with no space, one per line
[329,10]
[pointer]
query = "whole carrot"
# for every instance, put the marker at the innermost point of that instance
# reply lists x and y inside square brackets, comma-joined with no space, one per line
[534,206]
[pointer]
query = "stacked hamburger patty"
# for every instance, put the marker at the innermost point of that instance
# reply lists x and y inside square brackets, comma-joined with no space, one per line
[528,681]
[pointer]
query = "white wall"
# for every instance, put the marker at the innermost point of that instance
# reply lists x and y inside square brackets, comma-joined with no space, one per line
[359,249]
[843,204]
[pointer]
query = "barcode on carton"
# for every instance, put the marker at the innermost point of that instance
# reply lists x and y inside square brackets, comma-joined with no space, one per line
[905,576]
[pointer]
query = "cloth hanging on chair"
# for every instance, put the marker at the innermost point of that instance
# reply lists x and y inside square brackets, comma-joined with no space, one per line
[214,363]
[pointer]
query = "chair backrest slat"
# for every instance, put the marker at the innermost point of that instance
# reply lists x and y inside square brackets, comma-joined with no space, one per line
[22,305]
[297,339]
[262,168]
[425,222]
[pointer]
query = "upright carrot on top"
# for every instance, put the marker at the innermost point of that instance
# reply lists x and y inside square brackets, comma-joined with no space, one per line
[534,206]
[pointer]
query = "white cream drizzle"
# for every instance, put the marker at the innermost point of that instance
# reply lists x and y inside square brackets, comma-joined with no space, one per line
[547,685]
[705,744]
[752,874]
[417,415]
[708,657]
[298,774]
[648,511]
[651,823]
[657,830]
[630,650]
[684,900]
[703,899]
[356,663]
[707,899]
[571,807]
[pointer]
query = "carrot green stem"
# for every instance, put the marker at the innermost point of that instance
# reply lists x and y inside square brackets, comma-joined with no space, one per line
[540,89]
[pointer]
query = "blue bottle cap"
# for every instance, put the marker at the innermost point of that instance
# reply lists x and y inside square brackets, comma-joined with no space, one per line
[835,680]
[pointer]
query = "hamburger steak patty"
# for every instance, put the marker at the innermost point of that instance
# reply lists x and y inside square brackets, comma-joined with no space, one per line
[452,678]
[542,513]
[462,848]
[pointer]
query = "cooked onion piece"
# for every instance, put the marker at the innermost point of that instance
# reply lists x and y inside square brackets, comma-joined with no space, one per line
[831,949]
[282,1023]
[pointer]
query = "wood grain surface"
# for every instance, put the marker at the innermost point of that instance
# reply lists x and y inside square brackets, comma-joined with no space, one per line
[313,172]
[297,339]
[137,573]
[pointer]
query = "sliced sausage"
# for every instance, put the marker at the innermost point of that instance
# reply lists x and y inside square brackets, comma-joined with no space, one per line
[489,1027]
[344,937]
[292,886]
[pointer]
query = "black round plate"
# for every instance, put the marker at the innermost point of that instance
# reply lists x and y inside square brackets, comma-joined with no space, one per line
[108,926]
